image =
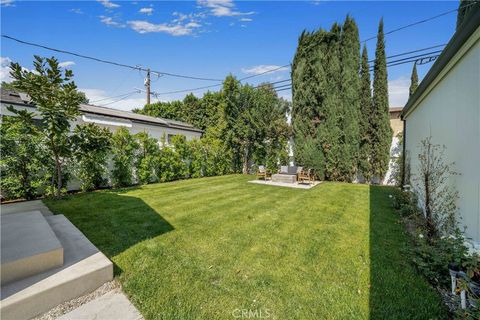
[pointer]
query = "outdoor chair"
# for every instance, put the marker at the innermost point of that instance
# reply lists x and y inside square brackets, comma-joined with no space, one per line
[307,176]
[299,172]
[263,172]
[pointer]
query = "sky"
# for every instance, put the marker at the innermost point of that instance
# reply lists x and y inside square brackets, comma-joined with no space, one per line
[203,38]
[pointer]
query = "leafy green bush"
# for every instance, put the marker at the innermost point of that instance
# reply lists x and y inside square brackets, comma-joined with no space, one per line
[123,147]
[431,258]
[23,156]
[91,147]
[406,203]
[146,158]
[170,165]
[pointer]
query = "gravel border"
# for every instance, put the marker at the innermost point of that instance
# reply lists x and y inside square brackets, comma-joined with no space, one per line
[73,304]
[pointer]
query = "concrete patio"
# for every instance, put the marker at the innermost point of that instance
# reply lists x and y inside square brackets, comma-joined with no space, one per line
[295,185]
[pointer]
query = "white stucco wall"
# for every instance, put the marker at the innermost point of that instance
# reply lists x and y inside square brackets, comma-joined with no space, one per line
[112,124]
[450,114]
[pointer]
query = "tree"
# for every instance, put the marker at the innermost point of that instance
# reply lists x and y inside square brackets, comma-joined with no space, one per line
[382,132]
[365,128]
[413,80]
[349,99]
[168,110]
[91,145]
[146,157]
[55,94]
[23,156]
[309,80]
[437,196]
[123,149]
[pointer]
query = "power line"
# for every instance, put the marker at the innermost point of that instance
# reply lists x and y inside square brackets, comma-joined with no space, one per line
[120,95]
[112,102]
[421,21]
[156,94]
[421,60]
[106,61]
[409,52]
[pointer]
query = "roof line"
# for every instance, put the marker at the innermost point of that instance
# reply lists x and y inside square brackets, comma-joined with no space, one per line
[460,37]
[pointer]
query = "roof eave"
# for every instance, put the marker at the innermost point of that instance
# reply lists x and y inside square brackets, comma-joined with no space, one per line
[456,42]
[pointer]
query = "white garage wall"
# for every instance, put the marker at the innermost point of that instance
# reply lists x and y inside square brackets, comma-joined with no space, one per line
[450,114]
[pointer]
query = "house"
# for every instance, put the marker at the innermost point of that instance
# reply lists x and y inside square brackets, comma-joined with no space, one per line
[446,107]
[396,122]
[110,118]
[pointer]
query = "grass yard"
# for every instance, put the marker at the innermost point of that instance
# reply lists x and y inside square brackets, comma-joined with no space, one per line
[222,248]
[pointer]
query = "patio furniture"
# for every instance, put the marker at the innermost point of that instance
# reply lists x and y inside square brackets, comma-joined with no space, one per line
[308,176]
[299,172]
[263,172]
[286,174]
[285,178]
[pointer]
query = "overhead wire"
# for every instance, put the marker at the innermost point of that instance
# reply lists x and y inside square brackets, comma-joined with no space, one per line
[118,64]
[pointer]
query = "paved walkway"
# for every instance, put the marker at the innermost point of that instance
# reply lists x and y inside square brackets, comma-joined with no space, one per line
[113,305]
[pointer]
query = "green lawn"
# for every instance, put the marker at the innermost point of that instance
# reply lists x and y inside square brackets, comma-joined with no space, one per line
[213,248]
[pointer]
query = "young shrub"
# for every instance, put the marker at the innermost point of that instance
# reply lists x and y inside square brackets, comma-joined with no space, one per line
[436,195]
[146,158]
[91,145]
[123,147]
[55,95]
[23,156]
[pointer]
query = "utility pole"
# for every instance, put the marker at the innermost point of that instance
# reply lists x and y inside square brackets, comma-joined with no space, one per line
[147,85]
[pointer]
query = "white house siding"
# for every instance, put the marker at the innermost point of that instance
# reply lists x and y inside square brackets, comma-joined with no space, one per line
[450,114]
[112,123]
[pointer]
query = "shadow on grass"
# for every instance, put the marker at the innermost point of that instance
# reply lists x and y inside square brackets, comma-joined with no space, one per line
[112,220]
[397,290]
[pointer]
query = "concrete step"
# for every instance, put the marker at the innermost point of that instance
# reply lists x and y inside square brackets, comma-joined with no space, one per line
[85,268]
[29,246]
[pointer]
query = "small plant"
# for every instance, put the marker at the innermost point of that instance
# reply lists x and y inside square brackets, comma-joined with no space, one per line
[437,196]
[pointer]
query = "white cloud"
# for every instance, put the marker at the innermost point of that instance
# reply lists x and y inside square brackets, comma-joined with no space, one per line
[7,3]
[398,91]
[147,11]
[110,22]
[108,4]
[125,104]
[5,69]
[65,64]
[77,11]
[176,29]
[246,19]
[263,68]
[222,8]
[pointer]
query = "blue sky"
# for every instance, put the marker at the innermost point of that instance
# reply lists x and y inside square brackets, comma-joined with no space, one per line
[205,38]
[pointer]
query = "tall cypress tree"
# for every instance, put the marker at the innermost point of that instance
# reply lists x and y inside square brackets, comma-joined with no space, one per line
[349,99]
[382,133]
[308,79]
[365,127]
[414,80]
